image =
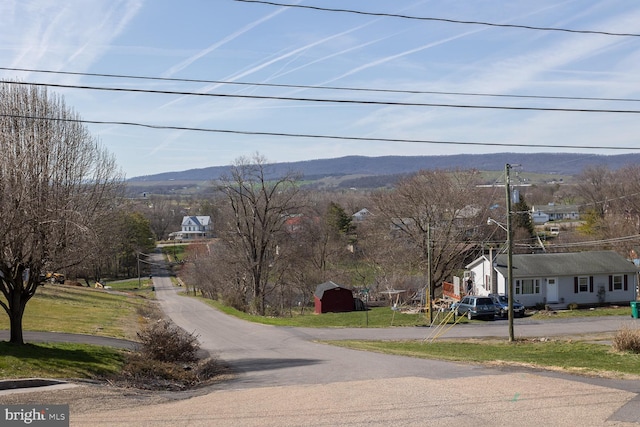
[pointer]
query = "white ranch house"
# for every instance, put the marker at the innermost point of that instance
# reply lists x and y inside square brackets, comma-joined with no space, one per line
[584,278]
[553,212]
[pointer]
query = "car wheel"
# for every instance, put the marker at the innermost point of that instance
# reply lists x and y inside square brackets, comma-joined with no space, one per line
[469,315]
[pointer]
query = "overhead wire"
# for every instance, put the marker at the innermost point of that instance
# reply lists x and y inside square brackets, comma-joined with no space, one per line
[349,101]
[320,136]
[317,87]
[328,100]
[448,20]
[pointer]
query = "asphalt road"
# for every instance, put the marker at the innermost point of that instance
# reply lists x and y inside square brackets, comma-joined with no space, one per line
[286,379]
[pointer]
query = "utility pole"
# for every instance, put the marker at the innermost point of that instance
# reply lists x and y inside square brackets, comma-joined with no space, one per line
[431,290]
[509,253]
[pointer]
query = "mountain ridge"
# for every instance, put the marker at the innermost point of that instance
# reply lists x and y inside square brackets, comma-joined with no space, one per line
[546,163]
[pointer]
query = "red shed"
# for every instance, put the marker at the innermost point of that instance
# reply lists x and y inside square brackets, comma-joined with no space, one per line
[330,297]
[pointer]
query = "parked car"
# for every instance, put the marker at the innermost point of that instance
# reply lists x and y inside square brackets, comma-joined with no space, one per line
[475,306]
[502,306]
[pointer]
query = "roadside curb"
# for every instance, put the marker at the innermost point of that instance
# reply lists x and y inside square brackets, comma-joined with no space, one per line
[27,385]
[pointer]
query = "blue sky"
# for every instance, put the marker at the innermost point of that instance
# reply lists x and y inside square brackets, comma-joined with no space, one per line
[225,40]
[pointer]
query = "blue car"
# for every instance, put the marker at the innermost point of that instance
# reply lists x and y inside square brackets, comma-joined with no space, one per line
[502,306]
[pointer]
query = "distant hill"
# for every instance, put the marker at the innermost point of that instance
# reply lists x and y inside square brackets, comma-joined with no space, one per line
[360,168]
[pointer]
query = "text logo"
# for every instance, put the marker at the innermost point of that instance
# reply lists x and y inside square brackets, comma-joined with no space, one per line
[34,415]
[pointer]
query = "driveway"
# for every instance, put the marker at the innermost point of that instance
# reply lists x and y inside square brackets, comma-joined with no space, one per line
[287,379]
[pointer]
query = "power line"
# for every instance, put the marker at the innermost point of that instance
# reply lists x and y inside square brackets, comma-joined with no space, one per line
[316,87]
[328,100]
[318,136]
[453,21]
[602,242]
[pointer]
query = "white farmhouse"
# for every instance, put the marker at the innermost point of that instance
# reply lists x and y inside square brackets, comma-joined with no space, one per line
[195,227]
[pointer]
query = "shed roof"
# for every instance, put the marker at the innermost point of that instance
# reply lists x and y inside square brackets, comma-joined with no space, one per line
[566,264]
[326,286]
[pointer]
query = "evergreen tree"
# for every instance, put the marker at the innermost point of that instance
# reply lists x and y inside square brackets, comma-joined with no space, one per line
[522,216]
[338,220]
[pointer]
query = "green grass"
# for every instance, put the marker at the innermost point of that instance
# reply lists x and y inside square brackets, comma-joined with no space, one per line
[142,287]
[79,310]
[376,317]
[58,361]
[595,312]
[175,252]
[382,317]
[580,357]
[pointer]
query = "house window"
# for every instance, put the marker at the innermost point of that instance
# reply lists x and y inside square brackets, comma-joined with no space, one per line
[583,284]
[527,286]
[617,283]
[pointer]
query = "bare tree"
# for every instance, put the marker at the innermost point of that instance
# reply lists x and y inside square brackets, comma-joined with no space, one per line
[260,204]
[594,186]
[56,182]
[626,198]
[430,215]
[164,215]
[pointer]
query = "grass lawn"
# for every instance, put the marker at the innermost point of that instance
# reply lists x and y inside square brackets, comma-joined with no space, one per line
[383,317]
[142,287]
[81,310]
[572,356]
[376,317]
[174,252]
[586,312]
[58,360]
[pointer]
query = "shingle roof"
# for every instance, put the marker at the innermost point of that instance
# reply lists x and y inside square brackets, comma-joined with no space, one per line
[326,286]
[565,264]
[196,220]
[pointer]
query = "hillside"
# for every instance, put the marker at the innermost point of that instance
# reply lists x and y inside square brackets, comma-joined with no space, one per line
[362,171]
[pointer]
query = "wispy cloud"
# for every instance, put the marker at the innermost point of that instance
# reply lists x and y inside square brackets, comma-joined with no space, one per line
[187,62]
[39,33]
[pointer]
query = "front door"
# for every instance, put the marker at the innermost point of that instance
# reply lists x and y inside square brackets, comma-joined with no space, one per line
[552,290]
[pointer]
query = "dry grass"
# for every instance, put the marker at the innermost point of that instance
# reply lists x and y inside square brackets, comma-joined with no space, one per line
[627,339]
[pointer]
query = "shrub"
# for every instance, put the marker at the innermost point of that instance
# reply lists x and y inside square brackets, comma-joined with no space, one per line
[572,306]
[165,342]
[141,373]
[627,339]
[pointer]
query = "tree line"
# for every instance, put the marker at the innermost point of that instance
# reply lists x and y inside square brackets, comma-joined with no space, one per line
[63,209]
[276,241]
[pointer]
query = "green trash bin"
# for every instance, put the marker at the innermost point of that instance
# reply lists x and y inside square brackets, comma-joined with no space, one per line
[634,309]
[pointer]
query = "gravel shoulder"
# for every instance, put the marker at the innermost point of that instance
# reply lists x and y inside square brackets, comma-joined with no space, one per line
[90,397]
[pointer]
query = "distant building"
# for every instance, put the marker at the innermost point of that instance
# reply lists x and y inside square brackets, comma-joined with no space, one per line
[539,217]
[194,227]
[555,212]
[361,215]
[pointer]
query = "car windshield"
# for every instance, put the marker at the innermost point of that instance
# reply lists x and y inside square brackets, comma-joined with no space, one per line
[502,298]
